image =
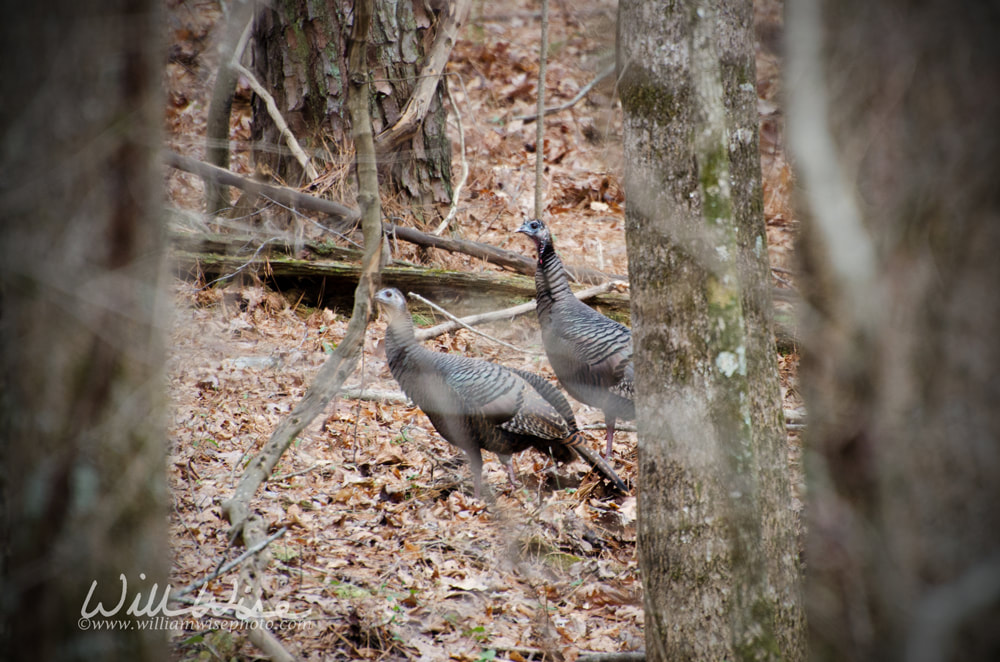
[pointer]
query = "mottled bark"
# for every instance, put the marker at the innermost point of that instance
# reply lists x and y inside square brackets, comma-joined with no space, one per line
[82,457]
[892,116]
[300,54]
[221,104]
[717,543]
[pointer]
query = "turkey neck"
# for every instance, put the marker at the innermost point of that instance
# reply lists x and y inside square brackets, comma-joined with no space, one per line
[399,342]
[551,282]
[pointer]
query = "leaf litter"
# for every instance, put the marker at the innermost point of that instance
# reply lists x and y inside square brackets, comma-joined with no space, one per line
[386,551]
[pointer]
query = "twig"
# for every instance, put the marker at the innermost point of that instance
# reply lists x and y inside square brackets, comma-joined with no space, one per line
[250,551]
[584,91]
[612,657]
[540,128]
[619,427]
[281,194]
[279,121]
[373,395]
[242,266]
[795,416]
[300,472]
[466,326]
[783,281]
[465,163]
[832,197]
[506,313]
[241,43]
[183,521]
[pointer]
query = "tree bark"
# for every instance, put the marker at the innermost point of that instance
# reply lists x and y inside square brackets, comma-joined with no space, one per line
[221,105]
[717,543]
[82,461]
[892,114]
[300,54]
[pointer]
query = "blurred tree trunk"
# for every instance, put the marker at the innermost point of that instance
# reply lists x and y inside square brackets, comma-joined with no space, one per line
[717,535]
[82,458]
[300,52]
[893,109]
[220,106]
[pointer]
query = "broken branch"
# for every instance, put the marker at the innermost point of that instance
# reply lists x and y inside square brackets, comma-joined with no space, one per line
[418,103]
[505,314]
[610,69]
[250,551]
[466,326]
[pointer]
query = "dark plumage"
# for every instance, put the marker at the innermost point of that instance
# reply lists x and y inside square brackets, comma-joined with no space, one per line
[477,405]
[590,354]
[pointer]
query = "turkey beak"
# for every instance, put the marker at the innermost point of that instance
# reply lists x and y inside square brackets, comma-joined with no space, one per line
[523,228]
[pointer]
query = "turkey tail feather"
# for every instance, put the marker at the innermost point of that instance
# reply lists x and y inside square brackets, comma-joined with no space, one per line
[577,441]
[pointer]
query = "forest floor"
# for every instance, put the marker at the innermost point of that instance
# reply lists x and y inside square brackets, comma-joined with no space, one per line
[387,555]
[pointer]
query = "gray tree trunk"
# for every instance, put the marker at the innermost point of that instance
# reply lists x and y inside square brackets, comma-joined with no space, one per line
[82,457]
[892,115]
[717,542]
[300,55]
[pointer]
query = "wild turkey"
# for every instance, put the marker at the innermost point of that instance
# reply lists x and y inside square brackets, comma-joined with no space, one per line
[590,354]
[476,405]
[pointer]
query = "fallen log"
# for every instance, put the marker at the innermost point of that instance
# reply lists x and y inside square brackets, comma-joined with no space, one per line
[330,283]
[292,198]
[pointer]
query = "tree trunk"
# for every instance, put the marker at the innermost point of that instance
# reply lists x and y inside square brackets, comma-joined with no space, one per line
[717,543]
[892,115]
[82,466]
[300,55]
[221,104]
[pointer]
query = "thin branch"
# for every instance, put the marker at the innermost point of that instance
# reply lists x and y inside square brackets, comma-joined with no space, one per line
[244,265]
[281,194]
[584,91]
[374,395]
[832,197]
[250,551]
[619,427]
[279,121]
[783,281]
[506,313]
[540,128]
[300,472]
[465,163]
[466,326]
[612,657]
[241,44]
